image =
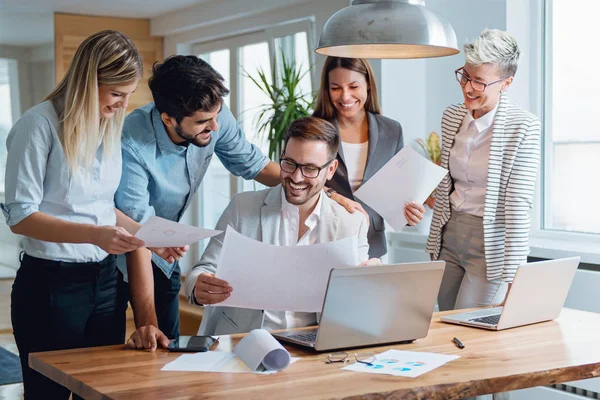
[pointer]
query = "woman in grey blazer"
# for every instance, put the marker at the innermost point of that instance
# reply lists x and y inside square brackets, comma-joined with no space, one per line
[348,98]
[491,147]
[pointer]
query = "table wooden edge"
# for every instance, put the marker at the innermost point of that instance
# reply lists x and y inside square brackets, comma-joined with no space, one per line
[65,380]
[473,388]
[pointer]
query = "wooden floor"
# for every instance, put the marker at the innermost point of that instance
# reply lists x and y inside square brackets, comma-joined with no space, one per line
[5,288]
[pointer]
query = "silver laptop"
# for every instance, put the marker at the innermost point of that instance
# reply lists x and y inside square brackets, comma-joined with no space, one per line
[538,294]
[367,306]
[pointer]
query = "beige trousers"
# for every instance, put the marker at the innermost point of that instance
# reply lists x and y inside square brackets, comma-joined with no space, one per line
[465,284]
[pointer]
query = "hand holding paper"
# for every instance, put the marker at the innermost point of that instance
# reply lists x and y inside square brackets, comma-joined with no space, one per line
[407,177]
[160,232]
[283,278]
[169,254]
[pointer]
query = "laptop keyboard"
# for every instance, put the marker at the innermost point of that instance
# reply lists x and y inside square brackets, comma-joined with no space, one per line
[305,337]
[490,319]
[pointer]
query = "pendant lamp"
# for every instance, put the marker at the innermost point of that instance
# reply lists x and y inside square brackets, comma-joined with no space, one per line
[387,29]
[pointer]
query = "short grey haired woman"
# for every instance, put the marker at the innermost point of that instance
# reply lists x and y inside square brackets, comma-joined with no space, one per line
[491,147]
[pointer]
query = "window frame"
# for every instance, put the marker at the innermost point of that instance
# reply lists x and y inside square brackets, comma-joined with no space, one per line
[15,102]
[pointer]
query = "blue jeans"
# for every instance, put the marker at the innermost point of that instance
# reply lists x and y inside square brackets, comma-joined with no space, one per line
[58,305]
[166,300]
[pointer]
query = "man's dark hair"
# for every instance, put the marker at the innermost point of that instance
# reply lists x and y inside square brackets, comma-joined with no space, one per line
[312,128]
[182,85]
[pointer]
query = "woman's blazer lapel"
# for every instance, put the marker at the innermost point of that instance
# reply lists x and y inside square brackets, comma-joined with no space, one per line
[497,149]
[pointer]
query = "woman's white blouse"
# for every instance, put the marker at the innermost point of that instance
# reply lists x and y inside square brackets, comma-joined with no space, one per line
[469,159]
[38,179]
[355,157]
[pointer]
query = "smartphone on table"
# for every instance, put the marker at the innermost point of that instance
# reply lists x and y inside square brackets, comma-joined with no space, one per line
[193,344]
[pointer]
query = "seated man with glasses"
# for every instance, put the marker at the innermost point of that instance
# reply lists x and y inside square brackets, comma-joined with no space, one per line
[296,212]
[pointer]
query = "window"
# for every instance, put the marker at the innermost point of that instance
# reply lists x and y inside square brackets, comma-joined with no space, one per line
[572,133]
[253,58]
[6,112]
[295,47]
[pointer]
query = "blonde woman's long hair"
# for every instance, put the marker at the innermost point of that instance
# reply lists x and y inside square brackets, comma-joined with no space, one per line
[324,108]
[105,58]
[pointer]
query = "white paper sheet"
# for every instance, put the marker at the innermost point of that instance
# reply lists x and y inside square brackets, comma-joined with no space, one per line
[160,232]
[408,176]
[214,361]
[257,352]
[284,278]
[402,363]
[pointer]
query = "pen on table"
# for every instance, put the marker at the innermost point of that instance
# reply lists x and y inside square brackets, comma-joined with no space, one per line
[458,343]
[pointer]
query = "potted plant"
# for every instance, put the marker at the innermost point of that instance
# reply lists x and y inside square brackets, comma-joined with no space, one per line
[286,102]
[432,148]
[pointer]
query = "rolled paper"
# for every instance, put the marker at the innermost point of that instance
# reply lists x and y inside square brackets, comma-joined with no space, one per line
[260,349]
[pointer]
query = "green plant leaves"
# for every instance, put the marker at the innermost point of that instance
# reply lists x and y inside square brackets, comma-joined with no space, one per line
[285,106]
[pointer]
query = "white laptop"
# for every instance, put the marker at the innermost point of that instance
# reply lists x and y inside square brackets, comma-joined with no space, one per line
[367,306]
[538,293]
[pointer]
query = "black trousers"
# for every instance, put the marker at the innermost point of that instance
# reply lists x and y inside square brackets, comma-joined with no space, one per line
[166,300]
[58,305]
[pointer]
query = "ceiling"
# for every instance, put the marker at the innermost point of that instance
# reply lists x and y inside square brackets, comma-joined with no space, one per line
[30,23]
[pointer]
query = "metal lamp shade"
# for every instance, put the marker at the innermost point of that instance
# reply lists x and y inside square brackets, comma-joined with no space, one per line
[387,29]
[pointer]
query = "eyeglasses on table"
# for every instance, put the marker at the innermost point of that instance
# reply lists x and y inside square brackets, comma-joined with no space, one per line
[343,357]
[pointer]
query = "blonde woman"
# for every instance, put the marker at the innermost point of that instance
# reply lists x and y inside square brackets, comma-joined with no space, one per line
[491,147]
[63,168]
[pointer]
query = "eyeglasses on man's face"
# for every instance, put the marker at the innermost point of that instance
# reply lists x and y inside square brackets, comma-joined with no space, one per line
[463,79]
[307,170]
[342,357]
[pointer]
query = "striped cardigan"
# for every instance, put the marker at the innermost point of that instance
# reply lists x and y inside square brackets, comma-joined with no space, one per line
[512,170]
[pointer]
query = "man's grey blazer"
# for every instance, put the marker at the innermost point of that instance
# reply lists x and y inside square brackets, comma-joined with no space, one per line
[385,140]
[257,215]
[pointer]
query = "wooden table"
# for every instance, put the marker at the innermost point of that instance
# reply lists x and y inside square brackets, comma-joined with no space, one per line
[564,350]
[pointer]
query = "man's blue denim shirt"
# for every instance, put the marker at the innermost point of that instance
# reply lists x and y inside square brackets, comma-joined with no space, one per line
[160,177]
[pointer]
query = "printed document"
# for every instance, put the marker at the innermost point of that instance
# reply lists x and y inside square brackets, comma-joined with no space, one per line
[160,232]
[280,278]
[408,176]
[402,363]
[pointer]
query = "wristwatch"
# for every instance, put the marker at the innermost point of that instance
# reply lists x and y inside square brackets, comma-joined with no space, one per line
[329,192]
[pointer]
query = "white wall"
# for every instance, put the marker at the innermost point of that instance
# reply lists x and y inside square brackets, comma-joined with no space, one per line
[41,71]
[41,76]
[14,52]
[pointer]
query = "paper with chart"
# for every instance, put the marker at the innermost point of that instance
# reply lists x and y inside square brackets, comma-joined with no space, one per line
[402,363]
[408,176]
[257,352]
[160,232]
[280,278]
